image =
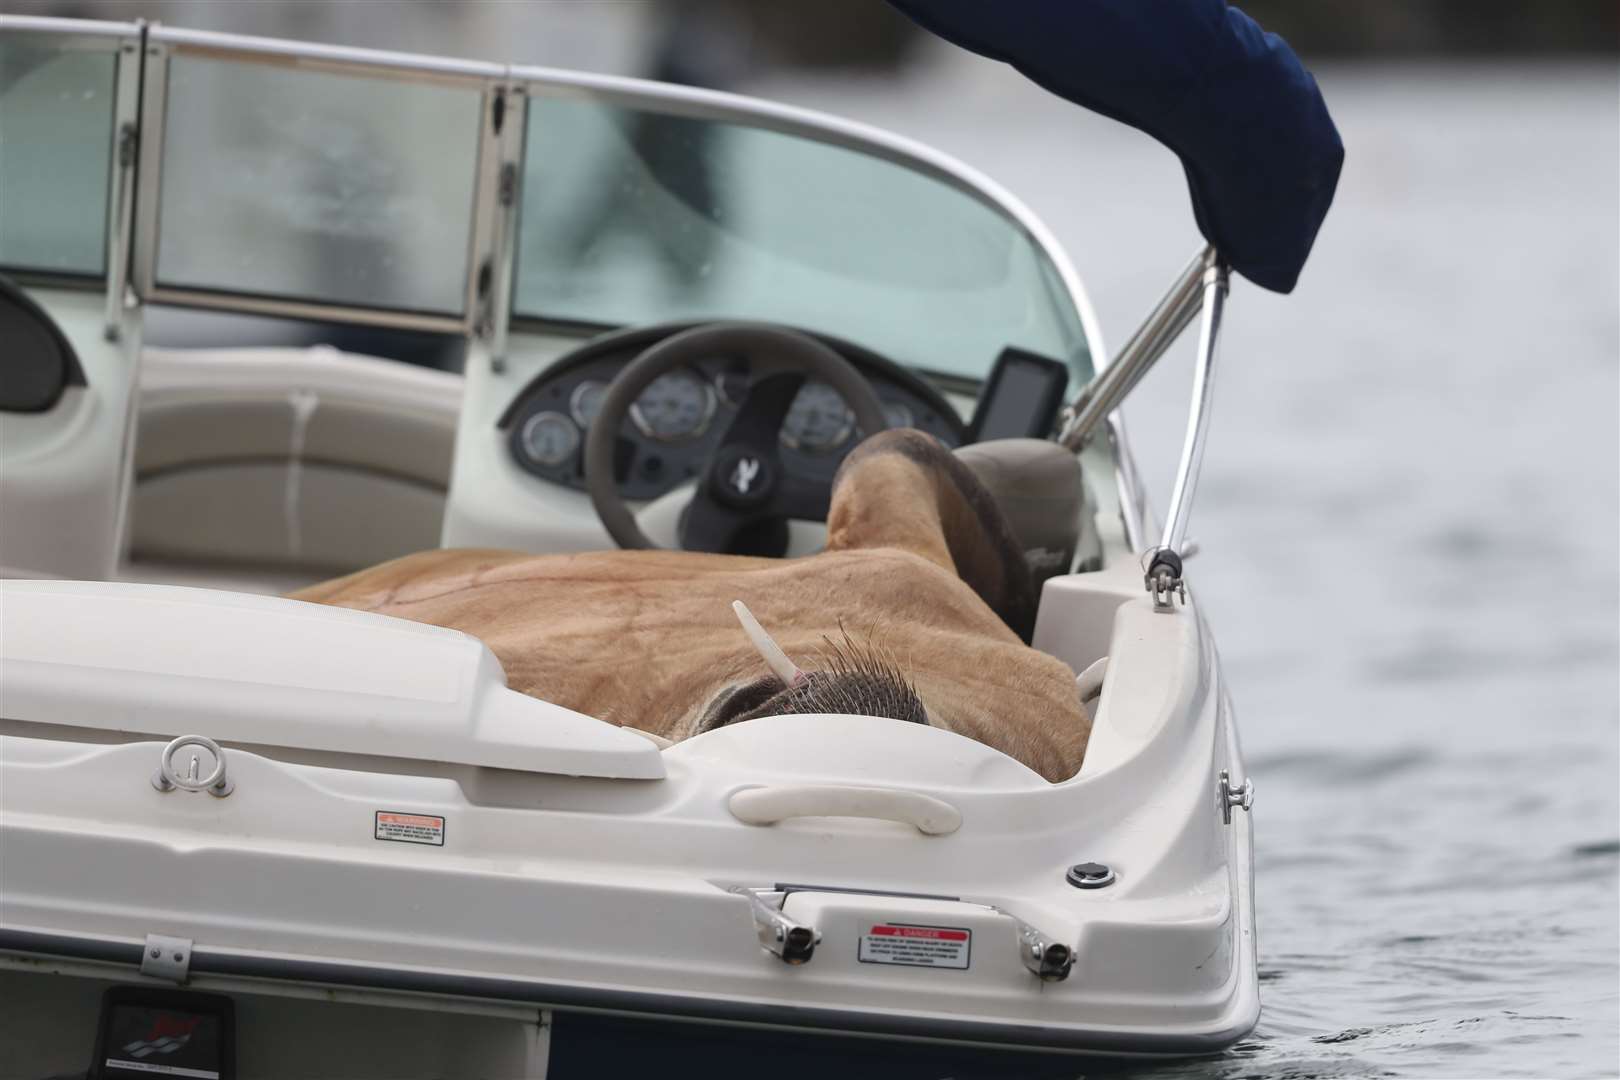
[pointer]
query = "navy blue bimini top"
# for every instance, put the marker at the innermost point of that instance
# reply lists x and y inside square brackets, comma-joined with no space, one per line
[1234,102]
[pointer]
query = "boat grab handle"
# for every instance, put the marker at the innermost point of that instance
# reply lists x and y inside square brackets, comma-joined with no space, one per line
[770,805]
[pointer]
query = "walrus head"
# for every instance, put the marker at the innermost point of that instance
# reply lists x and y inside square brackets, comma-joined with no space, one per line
[900,489]
[850,677]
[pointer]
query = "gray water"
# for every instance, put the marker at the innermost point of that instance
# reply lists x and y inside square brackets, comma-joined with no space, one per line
[1408,523]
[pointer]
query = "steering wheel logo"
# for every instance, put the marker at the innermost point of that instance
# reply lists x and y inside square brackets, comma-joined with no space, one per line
[742,477]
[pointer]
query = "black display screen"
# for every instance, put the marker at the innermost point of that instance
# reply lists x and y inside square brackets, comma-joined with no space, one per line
[1021,398]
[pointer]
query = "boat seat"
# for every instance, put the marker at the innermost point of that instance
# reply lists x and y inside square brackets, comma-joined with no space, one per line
[1039,487]
[39,361]
[290,458]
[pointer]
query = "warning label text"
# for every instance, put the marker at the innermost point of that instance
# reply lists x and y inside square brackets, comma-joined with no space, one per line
[410,828]
[916,946]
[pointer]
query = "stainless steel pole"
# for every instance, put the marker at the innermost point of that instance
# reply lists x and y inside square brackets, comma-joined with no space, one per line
[1215,283]
[1163,325]
[1164,573]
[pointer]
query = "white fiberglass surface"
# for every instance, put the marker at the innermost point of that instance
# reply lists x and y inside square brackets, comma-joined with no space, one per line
[56,124]
[316,186]
[631,216]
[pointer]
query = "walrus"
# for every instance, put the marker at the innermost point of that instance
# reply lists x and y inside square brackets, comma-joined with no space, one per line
[918,609]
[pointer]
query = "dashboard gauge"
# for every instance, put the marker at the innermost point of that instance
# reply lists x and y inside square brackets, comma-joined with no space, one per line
[550,438]
[898,414]
[678,405]
[818,421]
[586,401]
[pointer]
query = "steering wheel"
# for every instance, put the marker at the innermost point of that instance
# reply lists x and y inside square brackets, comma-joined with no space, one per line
[743,497]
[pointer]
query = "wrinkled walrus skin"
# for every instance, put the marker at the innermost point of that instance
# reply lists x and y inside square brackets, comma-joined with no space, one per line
[920,577]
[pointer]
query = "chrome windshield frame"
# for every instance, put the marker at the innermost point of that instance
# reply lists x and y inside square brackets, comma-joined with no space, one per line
[508,201]
[87,30]
[121,190]
[340,59]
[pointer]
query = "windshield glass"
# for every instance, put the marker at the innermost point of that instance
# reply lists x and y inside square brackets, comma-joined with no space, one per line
[631,217]
[56,121]
[316,186]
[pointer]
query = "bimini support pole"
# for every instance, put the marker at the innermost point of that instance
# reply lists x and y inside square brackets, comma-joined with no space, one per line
[1202,284]
[1084,415]
[1163,576]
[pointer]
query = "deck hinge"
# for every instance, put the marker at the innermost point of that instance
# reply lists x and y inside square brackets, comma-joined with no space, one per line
[788,941]
[166,957]
[1240,797]
[128,142]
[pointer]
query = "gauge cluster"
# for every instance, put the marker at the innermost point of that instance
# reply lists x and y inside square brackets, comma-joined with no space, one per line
[679,420]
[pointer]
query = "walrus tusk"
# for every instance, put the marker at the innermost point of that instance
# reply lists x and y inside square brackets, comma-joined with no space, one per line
[769,650]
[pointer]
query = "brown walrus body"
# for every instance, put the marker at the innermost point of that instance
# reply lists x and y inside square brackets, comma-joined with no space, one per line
[908,613]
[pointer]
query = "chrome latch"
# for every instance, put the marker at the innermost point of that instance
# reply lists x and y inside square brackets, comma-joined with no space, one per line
[165,957]
[1242,797]
[788,941]
[216,783]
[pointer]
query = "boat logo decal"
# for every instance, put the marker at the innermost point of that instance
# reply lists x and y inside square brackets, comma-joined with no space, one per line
[169,1033]
[742,477]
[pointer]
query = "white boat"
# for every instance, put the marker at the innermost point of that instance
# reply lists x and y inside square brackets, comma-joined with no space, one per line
[236,827]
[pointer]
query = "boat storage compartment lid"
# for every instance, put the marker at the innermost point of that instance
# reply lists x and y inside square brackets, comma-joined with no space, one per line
[165,660]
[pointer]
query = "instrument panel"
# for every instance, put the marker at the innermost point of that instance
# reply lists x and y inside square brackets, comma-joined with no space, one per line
[678,422]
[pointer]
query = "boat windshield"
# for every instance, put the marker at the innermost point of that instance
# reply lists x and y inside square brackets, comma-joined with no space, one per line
[286,179]
[632,216]
[56,137]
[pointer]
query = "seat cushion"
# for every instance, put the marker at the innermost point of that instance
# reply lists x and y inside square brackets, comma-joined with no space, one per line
[290,458]
[1039,488]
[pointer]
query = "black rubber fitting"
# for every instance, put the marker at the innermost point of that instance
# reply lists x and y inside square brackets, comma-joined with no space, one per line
[1166,558]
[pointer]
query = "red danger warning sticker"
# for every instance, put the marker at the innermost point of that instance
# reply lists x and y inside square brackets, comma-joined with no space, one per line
[410,828]
[917,946]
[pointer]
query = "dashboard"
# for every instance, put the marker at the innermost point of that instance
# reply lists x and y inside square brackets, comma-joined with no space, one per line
[677,423]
